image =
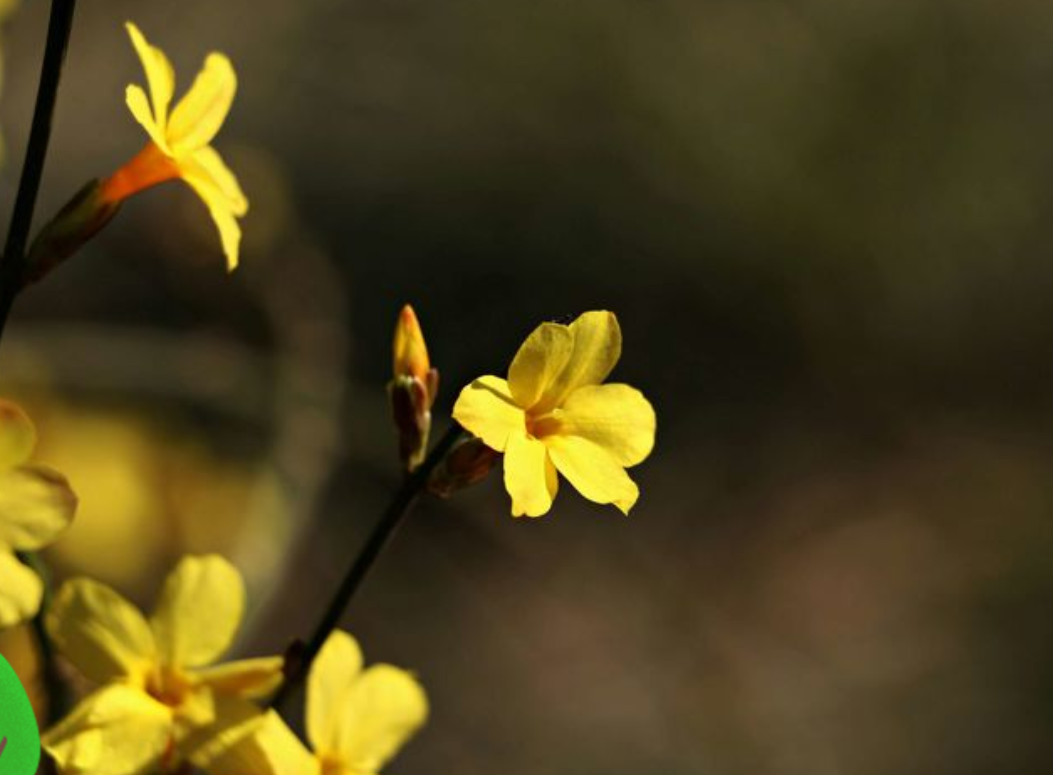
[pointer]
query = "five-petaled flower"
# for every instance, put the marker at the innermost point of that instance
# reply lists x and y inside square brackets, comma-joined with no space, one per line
[553,414]
[356,721]
[179,141]
[36,504]
[162,697]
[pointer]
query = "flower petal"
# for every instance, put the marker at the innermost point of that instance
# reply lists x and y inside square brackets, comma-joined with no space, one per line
[383,708]
[219,207]
[117,730]
[199,611]
[36,504]
[616,417]
[205,164]
[135,99]
[487,409]
[20,591]
[260,745]
[334,671]
[529,476]
[539,362]
[17,435]
[199,115]
[593,471]
[248,678]
[99,631]
[597,348]
[160,76]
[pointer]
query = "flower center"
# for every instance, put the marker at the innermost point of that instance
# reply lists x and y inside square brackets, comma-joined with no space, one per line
[332,765]
[167,686]
[543,425]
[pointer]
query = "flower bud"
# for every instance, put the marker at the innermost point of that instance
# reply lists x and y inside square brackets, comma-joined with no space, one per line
[76,223]
[412,390]
[468,462]
[410,353]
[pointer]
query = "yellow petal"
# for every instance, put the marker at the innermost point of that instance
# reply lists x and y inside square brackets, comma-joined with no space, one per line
[260,745]
[383,708]
[487,409]
[593,471]
[117,730]
[246,678]
[597,347]
[616,417]
[135,98]
[100,632]
[210,749]
[539,363]
[20,591]
[199,115]
[199,611]
[36,504]
[219,207]
[529,476]
[334,671]
[195,711]
[205,164]
[17,435]
[232,720]
[159,74]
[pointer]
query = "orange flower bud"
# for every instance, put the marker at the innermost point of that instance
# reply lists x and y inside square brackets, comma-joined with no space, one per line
[413,389]
[410,352]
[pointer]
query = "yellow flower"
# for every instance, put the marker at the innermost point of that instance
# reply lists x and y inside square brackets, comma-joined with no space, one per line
[36,504]
[179,141]
[356,721]
[552,414]
[160,700]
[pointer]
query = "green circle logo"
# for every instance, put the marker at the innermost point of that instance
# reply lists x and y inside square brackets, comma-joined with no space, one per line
[19,736]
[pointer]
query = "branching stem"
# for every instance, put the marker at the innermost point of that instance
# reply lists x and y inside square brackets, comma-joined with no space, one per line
[400,505]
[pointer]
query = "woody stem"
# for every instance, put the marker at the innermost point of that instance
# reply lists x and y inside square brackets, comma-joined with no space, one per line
[12,264]
[12,269]
[399,507]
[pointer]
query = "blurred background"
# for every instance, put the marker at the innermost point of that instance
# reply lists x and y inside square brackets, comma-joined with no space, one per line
[825,228]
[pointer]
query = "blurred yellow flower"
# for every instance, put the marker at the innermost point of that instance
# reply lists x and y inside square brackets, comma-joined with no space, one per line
[160,700]
[552,414]
[179,142]
[357,720]
[36,504]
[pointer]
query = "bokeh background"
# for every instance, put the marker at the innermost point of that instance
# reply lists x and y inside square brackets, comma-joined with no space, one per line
[825,228]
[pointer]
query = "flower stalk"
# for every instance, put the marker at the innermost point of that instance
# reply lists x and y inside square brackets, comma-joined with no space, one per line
[12,265]
[12,270]
[401,504]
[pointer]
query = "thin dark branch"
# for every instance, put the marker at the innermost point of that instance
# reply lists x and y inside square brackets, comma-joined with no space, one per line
[12,265]
[12,268]
[58,697]
[396,511]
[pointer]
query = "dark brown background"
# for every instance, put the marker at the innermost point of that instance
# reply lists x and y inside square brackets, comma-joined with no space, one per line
[824,226]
